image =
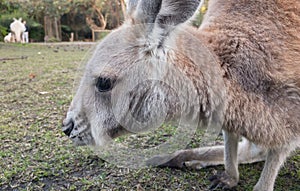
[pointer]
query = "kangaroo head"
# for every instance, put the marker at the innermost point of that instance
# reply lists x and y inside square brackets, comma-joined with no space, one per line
[143,74]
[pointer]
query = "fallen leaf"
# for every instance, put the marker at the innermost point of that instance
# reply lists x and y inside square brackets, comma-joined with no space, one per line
[32,75]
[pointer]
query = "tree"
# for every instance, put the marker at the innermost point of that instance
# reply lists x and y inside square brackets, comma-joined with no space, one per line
[100,13]
[49,13]
[96,14]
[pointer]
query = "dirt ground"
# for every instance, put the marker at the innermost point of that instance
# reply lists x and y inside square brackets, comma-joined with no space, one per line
[36,87]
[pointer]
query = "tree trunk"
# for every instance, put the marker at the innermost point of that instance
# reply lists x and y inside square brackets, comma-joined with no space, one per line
[91,23]
[123,7]
[56,28]
[52,28]
[100,17]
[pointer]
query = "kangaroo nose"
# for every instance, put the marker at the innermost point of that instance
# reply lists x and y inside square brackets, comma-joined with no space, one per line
[68,127]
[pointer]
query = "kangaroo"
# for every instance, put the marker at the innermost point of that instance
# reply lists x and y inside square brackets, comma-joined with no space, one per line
[17,29]
[255,78]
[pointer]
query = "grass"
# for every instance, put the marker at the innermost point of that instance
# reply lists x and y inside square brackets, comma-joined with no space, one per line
[35,93]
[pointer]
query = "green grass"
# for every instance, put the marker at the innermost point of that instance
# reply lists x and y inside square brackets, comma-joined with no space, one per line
[35,155]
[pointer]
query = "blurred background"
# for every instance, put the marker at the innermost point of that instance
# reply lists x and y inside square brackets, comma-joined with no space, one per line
[67,20]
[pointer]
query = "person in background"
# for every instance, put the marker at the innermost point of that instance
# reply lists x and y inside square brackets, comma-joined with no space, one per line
[26,33]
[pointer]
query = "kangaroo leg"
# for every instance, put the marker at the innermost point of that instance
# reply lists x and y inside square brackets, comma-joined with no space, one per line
[247,153]
[198,158]
[274,160]
[230,177]
[194,158]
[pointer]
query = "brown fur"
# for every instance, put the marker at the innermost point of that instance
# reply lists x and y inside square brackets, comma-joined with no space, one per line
[258,44]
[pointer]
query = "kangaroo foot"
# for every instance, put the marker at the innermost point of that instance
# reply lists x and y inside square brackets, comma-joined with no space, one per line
[222,181]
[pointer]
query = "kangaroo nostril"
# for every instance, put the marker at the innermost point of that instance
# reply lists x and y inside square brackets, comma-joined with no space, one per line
[67,129]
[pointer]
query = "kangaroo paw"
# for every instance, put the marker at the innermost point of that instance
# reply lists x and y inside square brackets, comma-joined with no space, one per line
[222,181]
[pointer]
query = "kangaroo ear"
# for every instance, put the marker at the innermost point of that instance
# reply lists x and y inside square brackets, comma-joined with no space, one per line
[171,14]
[174,12]
[162,15]
[143,11]
[162,12]
[131,6]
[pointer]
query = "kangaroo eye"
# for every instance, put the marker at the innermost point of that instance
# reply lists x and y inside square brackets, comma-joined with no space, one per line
[104,84]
